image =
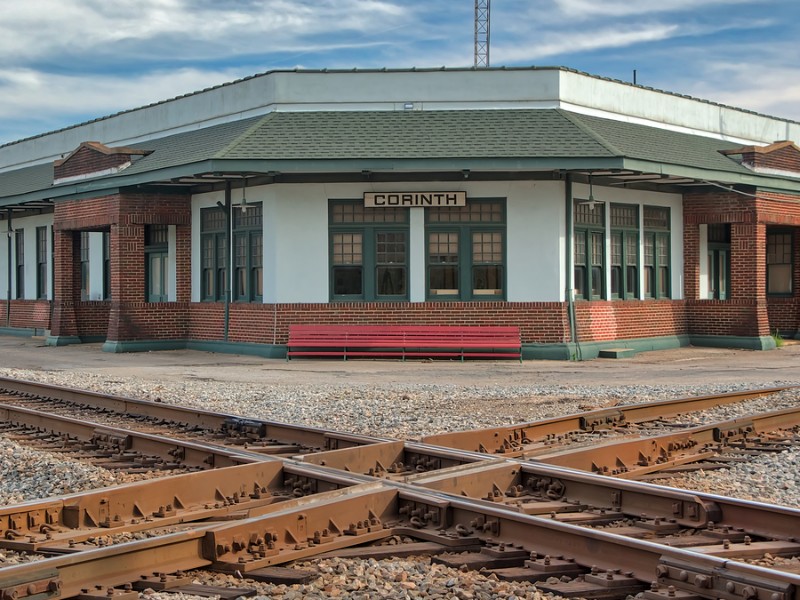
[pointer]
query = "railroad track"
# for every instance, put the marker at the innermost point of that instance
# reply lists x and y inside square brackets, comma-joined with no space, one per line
[518,519]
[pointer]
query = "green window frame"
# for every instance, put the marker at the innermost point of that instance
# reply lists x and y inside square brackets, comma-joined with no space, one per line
[589,234]
[248,254]
[156,252]
[780,266]
[624,259]
[719,267]
[657,252]
[368,252]
[213,254]
[106,265]
[85,268]
[19,244]
[465,251]
[41,263]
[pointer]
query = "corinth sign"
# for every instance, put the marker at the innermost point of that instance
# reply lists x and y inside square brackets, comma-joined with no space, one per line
[395,199]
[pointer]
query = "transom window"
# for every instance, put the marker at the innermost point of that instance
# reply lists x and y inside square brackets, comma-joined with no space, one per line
[41,262]
[589,242]
[156,251]
[656,252]
[248,247]
[85,272]
[19,247]
[369,251]
[779,263]
[248,254]
[466,251]
[719,269]
[624,251]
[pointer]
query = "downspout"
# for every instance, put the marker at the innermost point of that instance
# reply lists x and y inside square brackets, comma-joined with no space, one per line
[229,264]
[8,291]
[570,267]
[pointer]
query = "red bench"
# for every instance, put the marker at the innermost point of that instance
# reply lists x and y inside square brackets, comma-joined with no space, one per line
[404,341]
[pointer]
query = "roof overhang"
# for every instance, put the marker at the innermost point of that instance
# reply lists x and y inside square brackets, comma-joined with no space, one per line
[216,174]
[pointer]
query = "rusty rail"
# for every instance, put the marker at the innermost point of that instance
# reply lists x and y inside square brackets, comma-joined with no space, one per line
[515,440]
[516,518]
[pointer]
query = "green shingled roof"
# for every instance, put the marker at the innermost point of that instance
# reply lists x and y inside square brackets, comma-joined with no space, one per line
[416,134]
[507,137]
[447,134]
[633,140]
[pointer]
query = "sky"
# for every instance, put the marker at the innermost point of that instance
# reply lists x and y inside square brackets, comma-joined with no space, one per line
[63,62]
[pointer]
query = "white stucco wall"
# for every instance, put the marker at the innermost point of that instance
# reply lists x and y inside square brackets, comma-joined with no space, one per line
[28,225]
[296,252]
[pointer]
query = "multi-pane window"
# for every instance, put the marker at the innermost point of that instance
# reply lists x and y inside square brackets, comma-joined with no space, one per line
[106,265]
[156,250]
[41,262]
[214,254]
[719,270]
[656,252]
[248,252]
[589,242]
[19,246]
[84,257]
[779,262]
[466,251]
[624,260]
[369,252]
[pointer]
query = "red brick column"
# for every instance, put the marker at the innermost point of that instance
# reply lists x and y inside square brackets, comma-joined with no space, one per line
[127,279]
[183,260]
[66,293]
[691,261]
[749,275]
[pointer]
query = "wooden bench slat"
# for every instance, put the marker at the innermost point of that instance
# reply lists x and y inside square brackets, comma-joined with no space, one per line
[404,341]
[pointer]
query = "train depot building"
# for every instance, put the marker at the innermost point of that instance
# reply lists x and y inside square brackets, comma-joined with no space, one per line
[590,213]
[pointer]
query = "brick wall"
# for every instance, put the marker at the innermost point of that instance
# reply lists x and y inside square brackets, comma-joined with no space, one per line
[539,322]
[604,321]
[26,314]
[749,312]
[127,315]
[87,159]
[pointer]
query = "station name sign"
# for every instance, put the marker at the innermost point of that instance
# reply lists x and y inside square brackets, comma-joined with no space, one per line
[395,199]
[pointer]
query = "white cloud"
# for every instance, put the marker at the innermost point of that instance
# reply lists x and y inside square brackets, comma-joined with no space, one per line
[45,97]
[587,9]
[39,29]
[572,42]
[757,86]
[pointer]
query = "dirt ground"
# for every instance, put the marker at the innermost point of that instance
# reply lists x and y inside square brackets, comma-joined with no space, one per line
[683,366]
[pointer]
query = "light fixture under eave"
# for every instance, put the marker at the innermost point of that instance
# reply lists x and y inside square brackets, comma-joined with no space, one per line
[244,199]
[590,201]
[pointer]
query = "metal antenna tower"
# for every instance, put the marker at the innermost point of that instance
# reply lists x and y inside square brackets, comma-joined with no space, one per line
[482,8]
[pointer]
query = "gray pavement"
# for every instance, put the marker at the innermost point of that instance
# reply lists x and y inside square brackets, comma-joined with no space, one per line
[683,366]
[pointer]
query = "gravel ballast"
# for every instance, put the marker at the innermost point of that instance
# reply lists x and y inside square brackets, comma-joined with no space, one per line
[398,410]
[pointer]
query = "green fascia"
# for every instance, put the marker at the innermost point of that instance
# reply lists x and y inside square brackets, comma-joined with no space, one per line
[591,350]
[18,331]
[764,342]
[263,350]
[143,346]
[764,182]
[62,340]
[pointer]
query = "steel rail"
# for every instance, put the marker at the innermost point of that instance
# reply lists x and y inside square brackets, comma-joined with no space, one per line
[419,501]
[61,524]
[130,445]
[634,458]
[375,511]
[252,431]
[515,440]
